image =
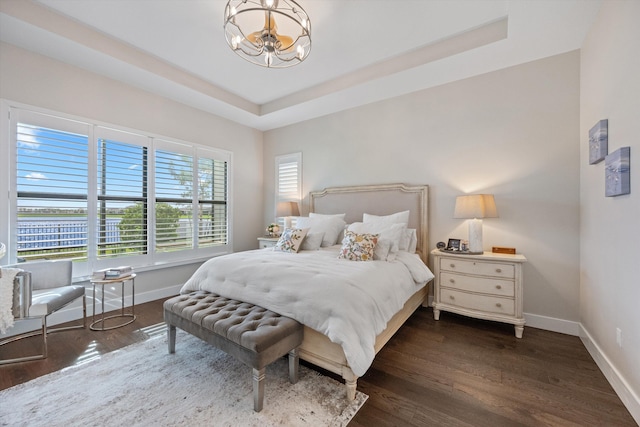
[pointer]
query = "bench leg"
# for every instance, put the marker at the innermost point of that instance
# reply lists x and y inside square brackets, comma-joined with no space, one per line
[258,388]
[171,338]
[293,366]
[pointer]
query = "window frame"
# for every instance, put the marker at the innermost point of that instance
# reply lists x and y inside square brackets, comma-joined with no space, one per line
[13,113]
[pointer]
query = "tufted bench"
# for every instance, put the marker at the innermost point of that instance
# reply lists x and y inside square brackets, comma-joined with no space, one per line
[251,334]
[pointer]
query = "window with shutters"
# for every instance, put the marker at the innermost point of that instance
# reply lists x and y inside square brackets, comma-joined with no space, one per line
[104,197]
[288,179]
[51,188]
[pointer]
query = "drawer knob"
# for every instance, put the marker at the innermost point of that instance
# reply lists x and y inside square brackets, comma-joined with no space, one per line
[498,287]
[452,265]
[451,297]
[498,305]
[498,270]
[452,281]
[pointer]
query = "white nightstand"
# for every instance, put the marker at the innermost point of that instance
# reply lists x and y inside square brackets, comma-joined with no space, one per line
[267,242]
[487,286]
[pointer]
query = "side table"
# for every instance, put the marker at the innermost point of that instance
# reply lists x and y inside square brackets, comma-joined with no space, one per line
[98,325]
[267,242]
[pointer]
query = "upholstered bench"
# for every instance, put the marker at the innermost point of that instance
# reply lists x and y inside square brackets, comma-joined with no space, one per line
[252,334]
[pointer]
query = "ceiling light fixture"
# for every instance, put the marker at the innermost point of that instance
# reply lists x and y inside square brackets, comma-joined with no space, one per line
[270,33]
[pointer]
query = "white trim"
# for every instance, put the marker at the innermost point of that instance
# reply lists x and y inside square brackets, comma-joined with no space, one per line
[553,324]
[620,385]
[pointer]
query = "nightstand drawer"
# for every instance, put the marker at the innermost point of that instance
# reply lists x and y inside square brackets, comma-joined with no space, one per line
[267,242]
[481,268]
[478,302]
[484,285]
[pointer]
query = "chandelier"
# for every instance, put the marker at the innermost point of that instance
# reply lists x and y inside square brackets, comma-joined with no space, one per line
[270,33]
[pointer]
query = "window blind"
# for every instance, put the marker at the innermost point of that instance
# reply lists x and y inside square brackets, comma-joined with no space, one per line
[51,187]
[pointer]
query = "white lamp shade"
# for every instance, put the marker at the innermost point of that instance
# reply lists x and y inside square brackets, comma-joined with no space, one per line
[475,206]
[285,209]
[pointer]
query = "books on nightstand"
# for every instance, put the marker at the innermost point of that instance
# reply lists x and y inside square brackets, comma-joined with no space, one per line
[112,273]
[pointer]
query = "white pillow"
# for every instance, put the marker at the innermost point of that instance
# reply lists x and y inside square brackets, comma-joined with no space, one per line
[291,240]
[331,226]
[389,236]
[319,215]
[396,218]
[408,240]
[312,242]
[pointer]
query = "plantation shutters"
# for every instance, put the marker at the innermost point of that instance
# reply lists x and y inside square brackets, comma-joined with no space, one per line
[288,179]
[110,197]
[51,187]
[122,215]
[202,217]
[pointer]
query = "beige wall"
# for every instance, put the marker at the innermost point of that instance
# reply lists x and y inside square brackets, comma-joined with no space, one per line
[38,81]
[610,226]
[513,133]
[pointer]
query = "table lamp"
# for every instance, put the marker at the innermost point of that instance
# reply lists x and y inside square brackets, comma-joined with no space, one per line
[474,207]
[287,210]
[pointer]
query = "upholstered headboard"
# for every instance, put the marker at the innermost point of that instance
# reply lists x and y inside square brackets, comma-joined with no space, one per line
[378,200]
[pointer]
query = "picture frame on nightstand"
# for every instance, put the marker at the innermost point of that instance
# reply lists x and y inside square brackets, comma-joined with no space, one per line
[453,245]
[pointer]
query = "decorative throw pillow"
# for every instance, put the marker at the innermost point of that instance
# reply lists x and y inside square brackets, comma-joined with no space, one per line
[389,236]
[358,247]
[291,240]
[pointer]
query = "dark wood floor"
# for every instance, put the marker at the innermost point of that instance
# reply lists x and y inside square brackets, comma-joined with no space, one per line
[455,372]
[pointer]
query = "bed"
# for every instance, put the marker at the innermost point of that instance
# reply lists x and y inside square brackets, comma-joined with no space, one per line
[278,282]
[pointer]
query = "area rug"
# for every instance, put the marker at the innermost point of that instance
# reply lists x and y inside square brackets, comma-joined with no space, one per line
[143,385]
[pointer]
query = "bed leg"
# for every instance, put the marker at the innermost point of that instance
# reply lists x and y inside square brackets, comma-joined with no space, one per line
[351,382]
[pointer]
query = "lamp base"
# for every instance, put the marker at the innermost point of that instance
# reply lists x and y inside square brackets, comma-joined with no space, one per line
[287,222]
[475,236]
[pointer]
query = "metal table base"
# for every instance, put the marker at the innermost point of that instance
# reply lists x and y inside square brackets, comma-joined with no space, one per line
[98,325]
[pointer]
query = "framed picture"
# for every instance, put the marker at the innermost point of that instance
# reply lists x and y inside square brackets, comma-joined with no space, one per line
[617,173]
[598,141]
[453,245]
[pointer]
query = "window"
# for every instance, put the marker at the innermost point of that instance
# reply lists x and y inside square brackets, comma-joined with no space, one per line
[51,188]
[103,196]
[122,194]
[288,179]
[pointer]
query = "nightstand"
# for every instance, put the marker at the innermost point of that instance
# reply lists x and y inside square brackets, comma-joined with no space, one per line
[487,286]
[267,242]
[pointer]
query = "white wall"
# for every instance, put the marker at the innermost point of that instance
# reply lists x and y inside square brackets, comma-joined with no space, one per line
[39,81]
[610,226]
[513,133]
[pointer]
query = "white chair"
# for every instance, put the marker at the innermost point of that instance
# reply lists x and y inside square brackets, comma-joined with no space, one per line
[43,288]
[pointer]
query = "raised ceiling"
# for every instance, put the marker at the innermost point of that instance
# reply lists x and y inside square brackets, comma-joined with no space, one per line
[362,50]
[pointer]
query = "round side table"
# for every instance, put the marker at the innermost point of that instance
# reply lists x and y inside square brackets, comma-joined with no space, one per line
[98,325]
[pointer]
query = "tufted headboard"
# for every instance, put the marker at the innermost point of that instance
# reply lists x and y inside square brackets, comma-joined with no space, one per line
[382,199]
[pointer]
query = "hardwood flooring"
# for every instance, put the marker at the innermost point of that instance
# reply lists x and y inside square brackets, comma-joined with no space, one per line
[454,372]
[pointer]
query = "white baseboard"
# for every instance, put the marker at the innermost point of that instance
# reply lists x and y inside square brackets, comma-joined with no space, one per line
[74,311]
[553,324]
[629,397]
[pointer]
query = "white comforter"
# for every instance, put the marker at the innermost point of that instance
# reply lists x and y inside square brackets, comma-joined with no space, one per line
[348,301]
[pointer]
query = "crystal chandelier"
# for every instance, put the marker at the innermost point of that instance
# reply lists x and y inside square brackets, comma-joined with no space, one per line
[270,33]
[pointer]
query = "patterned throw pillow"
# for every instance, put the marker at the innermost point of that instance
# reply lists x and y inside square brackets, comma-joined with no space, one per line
[291,240]
[358,247]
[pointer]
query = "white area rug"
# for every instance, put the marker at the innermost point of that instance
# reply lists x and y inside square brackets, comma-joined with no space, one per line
[143,385]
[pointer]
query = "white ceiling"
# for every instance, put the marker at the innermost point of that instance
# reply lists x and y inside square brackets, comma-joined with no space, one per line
[362,50]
